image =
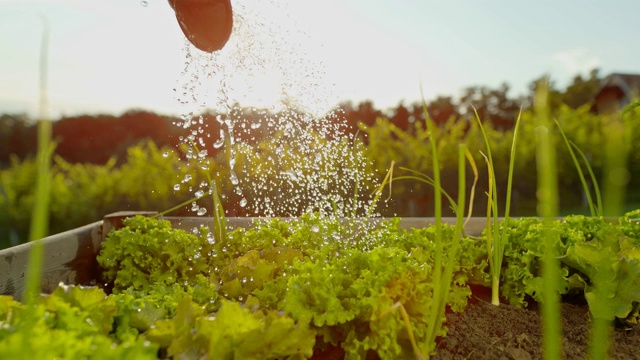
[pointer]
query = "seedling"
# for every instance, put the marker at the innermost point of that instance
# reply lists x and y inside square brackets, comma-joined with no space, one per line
[496,240]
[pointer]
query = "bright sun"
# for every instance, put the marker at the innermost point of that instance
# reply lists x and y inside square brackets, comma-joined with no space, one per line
[261,89]
[268,63]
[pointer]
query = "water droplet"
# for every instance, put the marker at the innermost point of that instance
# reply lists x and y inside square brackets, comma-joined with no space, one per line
[315,228]
[199,193]
[210,239]
[233,177]
[201,211]
[165,154]
[298,170]
[218,144]
[176,187]
[187,178]
[291,175]
[144,3]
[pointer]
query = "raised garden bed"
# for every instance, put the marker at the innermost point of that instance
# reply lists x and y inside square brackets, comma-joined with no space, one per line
[70,257]
[479,331]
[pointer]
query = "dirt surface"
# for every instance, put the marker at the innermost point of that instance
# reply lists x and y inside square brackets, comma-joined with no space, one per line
[490,332]
[487,332]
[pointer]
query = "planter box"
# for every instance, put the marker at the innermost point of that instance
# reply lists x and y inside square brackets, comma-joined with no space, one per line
[70,257]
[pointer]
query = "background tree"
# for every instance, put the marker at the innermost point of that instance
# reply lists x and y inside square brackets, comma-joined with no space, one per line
[582,91]
[400,117]
[493,105]
[17,136]
[95,138]
[442,109]
[554,96]
[364,113]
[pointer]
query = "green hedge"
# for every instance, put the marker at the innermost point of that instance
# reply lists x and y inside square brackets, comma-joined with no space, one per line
[84,193]
[144,180]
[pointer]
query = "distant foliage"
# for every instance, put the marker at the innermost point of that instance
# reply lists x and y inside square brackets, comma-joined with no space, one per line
[84,193]
[409,148]
[133,161]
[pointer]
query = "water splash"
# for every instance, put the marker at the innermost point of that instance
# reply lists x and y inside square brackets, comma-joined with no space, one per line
[267,117]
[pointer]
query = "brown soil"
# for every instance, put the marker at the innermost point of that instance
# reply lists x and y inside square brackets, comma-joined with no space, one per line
[487,332]
[490,332]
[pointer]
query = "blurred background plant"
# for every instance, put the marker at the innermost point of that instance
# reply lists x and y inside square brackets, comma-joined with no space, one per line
[135,161]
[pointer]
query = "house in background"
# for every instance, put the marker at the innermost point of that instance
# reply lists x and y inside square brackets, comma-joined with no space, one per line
[616,91]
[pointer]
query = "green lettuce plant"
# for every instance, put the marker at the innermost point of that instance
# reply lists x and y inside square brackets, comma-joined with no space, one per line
[71,323]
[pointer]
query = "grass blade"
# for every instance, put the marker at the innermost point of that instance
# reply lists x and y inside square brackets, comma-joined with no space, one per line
[512,158]
[594,180]
[182,204]
[494,241]
[629,108]
[388,179]
[40,216]
[548,209]
[576,163]
[472,194]
[439,293]
[616,176]
[219,217]
[427,180]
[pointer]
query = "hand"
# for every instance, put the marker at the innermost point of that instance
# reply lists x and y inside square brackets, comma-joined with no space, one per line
[206,23]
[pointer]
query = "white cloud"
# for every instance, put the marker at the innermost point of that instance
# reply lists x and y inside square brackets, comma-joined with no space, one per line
[576,61]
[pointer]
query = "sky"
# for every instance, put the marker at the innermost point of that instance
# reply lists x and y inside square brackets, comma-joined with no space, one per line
[110,56]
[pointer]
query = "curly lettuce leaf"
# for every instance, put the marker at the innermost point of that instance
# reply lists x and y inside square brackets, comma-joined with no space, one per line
[336,277]
[522,275]
[148,251]
[630,225]
[88,304]
[233,333]
[261,336]
[71,323]
[613,272]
